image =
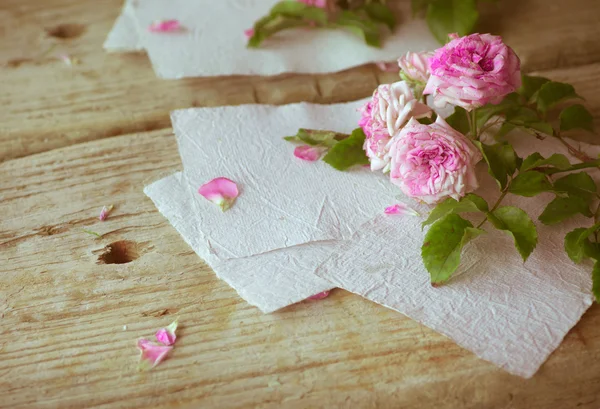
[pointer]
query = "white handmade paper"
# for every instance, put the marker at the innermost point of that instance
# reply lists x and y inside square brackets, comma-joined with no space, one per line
[510,313]
[283,200]
[214,44]
[124,35]
[269,281]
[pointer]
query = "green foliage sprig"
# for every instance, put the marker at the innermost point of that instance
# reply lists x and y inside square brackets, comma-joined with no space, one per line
[368,19]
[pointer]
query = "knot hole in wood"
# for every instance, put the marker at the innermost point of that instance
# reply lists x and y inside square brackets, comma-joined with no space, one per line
[119,252]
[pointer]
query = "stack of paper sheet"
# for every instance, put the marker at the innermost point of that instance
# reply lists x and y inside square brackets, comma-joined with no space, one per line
[299,228]
[212,41]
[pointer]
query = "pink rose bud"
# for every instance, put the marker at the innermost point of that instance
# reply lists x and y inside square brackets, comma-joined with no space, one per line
[308,153]
[433,162]
[384,115]
[415,66]
[315,3]
[473,71]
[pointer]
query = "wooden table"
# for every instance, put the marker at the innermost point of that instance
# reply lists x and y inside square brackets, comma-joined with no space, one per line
[75,138]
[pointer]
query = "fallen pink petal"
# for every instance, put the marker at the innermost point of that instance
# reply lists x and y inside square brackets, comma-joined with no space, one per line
[167,335]
[401,209]
[320,296]
[221,191]
[249,33]
[151,354]
[68,60]
[105,212]
[308,153]
[165,26]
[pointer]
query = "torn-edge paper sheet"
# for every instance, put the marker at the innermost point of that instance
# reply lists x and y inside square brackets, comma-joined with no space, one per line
[283,200]
[510,313]
[269,281]
[124,36]
[213,43]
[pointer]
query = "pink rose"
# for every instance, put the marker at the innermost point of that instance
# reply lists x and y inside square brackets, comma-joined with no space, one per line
[415,66]
[384,115]
[433,162]
[472,71]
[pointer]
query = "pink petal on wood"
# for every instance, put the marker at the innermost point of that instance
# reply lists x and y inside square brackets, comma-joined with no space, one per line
[401,209]
[165,26]
[151,354]
[104,212]
[167,335]
[308,153]
[220,191]
[320,296]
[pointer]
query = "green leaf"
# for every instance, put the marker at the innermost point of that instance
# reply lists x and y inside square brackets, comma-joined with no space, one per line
[576,117]
[505,128]
[298,10]
[486,112]
[381,13]
[501,159]
[459,120]
[451,16]
[578,246]
[270,26]
[443,244]
[574,244]
[360,26]
[530,85]
[552,93]
[517,224]
[535,160]
[596,281]
[348,152]
[577,184]
[314,137]
[469,203]
[530,184]
[562,208]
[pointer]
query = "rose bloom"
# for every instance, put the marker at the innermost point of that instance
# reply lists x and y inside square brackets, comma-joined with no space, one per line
[415,66]
[472,71]
[433,162]
[383,116]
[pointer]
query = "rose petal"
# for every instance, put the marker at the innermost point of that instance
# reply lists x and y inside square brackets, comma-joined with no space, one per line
[387,66]
[151,354]
[320,296]
[220,191]
[165,26]
[401,209]
[104,212]
[249,33]
[167,335]
[308,153]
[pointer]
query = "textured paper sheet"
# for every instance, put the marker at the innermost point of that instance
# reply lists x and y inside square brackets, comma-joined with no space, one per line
[284,201]
[510,313]
[124,35]
[214,44]
[269,281]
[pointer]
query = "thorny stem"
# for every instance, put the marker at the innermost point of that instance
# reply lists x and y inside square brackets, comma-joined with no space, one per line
[573,150]
[502,196]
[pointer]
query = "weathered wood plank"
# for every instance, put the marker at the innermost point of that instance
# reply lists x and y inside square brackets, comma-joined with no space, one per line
[44,104]
[62,315]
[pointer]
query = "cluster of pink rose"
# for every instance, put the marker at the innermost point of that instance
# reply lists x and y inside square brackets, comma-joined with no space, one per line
[433,162]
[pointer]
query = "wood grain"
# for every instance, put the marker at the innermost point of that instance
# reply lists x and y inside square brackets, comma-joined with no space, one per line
[63,343]
[44,104]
